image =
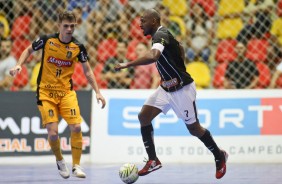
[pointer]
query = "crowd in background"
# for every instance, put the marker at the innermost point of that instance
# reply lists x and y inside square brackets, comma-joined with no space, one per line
[232,44]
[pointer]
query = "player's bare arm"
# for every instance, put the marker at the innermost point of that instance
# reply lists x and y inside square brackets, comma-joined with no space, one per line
[92,81]
[24,56]
[151,57]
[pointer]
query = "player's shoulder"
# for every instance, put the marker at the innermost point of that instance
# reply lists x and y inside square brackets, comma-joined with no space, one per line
[161,32]
[76,42]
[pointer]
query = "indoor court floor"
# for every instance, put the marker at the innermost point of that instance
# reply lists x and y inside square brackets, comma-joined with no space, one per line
[168,174]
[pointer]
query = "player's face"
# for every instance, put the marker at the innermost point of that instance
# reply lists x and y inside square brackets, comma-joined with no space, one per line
[67,28]
[146,25]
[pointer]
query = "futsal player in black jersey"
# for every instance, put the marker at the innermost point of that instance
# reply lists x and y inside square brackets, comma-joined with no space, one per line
[177,91]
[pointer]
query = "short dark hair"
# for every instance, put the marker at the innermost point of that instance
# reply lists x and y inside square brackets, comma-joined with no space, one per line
[67,15]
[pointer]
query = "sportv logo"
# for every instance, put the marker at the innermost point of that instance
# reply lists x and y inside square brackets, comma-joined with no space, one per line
[221,116]
[32,125]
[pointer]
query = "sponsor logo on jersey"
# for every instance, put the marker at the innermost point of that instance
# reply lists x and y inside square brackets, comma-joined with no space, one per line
[170,83]
[69,54]
[53,50]
[59,62]
[70,48]
[51,113]
[49,86]
[54,44]
[162,41]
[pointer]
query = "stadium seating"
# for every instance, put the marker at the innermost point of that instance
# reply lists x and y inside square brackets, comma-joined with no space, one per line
[5,24]
[97,73]
[276,28]
[264,75]
[200,72]
[131,55]
[209,6]
[257,50]
[279,8]
[20,29]
[226,50]
[176,7]
[20,80]
[78,78]
[219,74]
[227,17]
[279,82]
[181,24]
[231,26]
[106,49]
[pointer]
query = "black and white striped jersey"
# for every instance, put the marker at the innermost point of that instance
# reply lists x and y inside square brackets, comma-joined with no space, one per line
[170,64]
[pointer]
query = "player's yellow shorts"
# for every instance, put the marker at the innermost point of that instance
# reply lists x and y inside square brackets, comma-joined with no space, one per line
[52,103]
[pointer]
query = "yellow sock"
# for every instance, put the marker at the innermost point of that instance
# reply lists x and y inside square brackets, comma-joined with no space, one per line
[56,148]
[76,147]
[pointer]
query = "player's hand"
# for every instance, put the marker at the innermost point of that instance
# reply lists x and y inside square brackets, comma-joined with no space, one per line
[99,98]
[120,66]
[15,70]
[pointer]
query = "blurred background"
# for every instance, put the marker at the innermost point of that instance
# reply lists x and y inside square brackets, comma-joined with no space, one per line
[228,43]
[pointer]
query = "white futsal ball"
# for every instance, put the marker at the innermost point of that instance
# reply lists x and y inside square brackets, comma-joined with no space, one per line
[128,173]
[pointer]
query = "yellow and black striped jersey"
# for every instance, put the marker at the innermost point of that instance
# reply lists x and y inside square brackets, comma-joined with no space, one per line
[58,60]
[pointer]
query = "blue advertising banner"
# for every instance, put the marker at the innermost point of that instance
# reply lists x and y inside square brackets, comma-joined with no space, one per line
[237,116]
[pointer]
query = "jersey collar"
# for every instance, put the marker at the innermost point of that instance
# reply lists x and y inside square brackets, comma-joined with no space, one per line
[158,29]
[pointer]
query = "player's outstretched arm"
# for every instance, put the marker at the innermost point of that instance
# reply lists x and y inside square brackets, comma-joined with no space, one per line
[92,81]
[25,54]
[150,57]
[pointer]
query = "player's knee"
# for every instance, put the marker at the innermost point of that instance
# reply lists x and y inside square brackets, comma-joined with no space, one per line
[195,129]
[53,135]
[75,128]
[141,117]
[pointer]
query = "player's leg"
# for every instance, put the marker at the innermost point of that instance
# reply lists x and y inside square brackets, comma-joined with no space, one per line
[76,150]
[154,105]
[205,136]
[188,113]
[70,111]
[54,142]
[147,114]
[49,114]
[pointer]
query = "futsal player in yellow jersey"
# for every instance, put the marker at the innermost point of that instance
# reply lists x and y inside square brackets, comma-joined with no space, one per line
[55,95]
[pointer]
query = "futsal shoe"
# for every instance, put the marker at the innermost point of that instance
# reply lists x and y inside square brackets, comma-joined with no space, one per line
[63,169]
[77,172]
[221,165]
[151,165]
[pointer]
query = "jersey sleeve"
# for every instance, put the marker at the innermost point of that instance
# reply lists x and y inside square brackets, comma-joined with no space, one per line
[82,56]
[39,42]
[160,41]
[160,38]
